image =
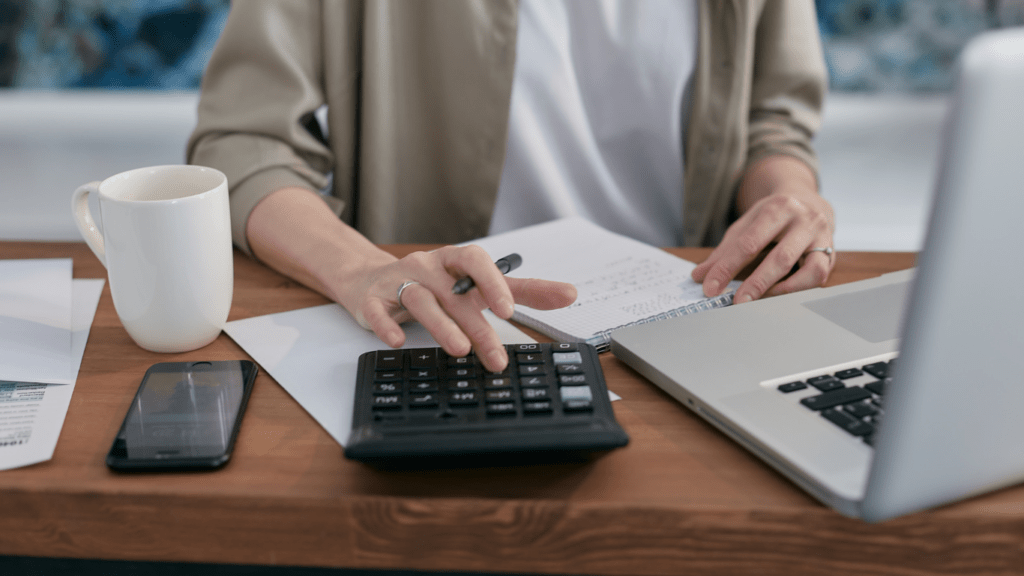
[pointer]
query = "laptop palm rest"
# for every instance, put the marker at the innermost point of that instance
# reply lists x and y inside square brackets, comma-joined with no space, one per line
[839,461]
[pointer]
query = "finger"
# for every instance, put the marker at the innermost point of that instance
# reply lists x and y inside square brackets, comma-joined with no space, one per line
[532,292]
[735,252]
[484,339]
[702,268]
[377,318]
[474,262]
[541,294]
[813,273]
[775,266]
[700,272]
[424,307]
[434,271]
[427,268]
[455,320]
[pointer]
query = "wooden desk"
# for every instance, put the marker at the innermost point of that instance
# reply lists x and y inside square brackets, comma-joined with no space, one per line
[681,498]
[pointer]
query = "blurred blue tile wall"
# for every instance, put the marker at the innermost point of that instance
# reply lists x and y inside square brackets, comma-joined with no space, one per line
[112,44]
[870,45]
[904,45]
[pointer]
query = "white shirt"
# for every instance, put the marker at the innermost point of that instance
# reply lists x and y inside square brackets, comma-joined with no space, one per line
[600,99]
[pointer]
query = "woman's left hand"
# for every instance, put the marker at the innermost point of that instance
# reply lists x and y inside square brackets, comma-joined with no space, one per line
[780,204]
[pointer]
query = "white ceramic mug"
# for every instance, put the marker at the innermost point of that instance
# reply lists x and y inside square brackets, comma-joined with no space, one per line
[164,235]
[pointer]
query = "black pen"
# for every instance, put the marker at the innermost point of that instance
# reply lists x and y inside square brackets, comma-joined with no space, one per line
[505,265]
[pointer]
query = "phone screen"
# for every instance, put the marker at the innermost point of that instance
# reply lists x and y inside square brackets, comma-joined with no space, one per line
[185,414]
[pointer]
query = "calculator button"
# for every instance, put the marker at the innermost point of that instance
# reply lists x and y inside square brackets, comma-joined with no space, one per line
[423,374]
[387,376]
[535,393]
[531,370]
[423,358]
[455,361]
[530,358]
[569,368]
[463,399]
[501,409]
[575,393]
[577,406]
[498,395]
[567,358]
[389,360]
[392,402]
[526,348]
[423,401]
[564,347]
[462,373]
[456,385]
[571,379]
[534,381]
[423,386]
[387,388]
[537,407]
[497,382]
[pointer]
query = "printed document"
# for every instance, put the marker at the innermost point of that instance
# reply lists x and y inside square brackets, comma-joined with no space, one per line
[32,413]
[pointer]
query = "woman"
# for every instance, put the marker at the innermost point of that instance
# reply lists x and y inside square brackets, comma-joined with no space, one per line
[450,119]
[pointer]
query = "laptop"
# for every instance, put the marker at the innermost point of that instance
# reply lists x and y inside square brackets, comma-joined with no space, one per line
[897,393]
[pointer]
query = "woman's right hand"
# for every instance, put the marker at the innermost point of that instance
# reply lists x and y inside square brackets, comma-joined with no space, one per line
[456,321]
[293,231]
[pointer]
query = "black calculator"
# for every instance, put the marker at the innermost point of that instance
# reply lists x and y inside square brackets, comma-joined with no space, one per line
[422,403]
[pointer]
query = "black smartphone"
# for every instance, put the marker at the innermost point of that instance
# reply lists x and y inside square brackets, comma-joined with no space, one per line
[185,416]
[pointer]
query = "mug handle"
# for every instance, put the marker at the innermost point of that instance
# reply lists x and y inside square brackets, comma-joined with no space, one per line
[83,219]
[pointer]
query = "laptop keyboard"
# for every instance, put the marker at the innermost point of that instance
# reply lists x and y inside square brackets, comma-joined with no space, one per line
[850,398]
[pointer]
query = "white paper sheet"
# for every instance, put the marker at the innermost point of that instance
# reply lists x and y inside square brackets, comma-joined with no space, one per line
[32,414]
[620,281]
[313,354]
[35,320]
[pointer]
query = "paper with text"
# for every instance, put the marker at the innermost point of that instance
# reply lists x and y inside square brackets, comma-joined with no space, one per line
[620,281]
[32,414]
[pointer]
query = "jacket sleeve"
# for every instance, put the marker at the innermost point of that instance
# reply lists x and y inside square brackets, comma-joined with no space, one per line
[790,83]
[260,90]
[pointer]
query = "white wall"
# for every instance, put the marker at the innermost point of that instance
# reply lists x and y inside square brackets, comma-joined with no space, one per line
[878,156]
[51,143]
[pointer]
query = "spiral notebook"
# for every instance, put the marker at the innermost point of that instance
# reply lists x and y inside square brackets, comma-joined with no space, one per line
[620,281]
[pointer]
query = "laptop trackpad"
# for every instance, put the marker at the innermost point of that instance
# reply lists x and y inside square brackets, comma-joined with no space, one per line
[872,314]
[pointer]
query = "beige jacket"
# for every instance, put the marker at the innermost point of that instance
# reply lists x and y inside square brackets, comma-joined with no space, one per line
[418,96]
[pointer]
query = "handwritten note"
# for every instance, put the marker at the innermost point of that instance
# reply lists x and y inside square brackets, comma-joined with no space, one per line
[620,281]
